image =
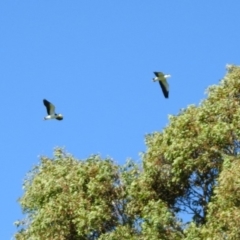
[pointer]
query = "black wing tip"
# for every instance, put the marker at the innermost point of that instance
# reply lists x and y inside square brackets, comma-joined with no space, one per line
[164,90]
[165,93]
[158,73]
[45,101]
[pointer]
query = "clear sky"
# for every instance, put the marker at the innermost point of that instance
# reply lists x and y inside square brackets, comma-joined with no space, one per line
[95,60]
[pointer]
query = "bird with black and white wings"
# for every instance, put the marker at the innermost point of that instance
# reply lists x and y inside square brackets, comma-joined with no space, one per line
[162,79]
[51,111]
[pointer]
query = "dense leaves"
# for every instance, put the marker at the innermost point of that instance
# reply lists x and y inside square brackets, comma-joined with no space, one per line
[185,160]
[192,167]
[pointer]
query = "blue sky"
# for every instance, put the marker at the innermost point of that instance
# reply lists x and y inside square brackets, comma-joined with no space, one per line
[95,60]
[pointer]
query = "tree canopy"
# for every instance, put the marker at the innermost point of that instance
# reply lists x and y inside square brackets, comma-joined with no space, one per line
[191,167]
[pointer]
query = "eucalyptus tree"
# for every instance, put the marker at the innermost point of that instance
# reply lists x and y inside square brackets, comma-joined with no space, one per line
[191,167]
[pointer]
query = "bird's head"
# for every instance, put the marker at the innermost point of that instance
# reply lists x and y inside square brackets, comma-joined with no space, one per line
[167,75]
[59,117]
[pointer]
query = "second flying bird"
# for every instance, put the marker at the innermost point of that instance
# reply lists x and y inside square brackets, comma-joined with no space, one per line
[162,79]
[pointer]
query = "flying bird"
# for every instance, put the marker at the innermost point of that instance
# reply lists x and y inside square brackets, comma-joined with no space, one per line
[51,111]
[162,79]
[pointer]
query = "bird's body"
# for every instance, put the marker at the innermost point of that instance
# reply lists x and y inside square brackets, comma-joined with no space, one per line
[51,111]
[162,79]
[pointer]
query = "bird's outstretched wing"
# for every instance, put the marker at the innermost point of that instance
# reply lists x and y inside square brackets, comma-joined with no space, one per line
[159,74]
[165,87]
[49,106]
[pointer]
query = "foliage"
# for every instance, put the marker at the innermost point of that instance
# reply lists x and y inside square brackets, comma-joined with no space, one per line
[185,160]
[192,166]
[65,198]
